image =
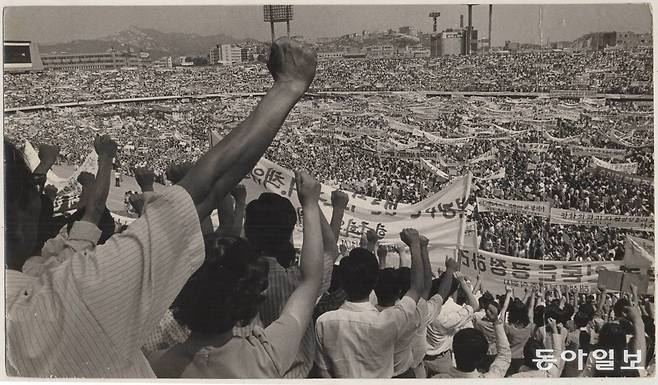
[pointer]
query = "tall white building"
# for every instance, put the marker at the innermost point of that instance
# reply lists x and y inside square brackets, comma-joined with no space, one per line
[232,54]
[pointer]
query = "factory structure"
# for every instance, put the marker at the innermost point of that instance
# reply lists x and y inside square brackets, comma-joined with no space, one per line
[457,41]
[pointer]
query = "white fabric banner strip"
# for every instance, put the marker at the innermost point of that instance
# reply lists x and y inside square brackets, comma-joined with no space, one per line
[571,139]
[500,174]
[503,269]
[639,252]
[626,168]
[539,209]
[489,155]
[574,217]
[534,147]
[623,177]
[608,153]
[428,165]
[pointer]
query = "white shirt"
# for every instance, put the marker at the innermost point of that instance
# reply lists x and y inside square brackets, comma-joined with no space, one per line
[452,319]
[357,340]
[89,315]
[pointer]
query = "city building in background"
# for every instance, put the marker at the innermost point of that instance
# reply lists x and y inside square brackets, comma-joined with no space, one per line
[231,54]
[93,61]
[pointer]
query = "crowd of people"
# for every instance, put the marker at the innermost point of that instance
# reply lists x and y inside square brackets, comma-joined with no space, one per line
[174,296]
[616,71]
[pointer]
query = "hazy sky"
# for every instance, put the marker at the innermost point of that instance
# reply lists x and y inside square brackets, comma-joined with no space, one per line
[510,22]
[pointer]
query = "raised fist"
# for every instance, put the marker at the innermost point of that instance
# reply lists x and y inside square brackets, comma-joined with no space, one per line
[144,177]
[308,189]
[371,236]
[50,191]
[239,192]
[176,172]
[48,153]
[491,311]
[339,199]
[508,289]
[85,178]
[105,146]
[292,64]
[410,236]
[342,249]
[451,264]
[424,241]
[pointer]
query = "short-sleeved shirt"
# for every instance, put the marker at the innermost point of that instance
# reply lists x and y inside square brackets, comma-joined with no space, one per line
[358,341]
[89,315]
[518,337]
[452,319]
[427,311]
[258,353]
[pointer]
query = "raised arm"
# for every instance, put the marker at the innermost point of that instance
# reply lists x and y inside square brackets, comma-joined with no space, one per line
[503,310]
[412,239]
[471,298]
[293,68]
[531,307]
[302,301]
[372,239]
[339,201]
[382,253]
[106,149]
[47,158]
[427,268]
[239,194]
[446,283]
[639,338]
[87,181]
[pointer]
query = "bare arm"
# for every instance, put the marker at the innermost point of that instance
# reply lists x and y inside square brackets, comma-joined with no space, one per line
[471,298]
[339,201]
[639,338]
[240,195]
[302,301]
[531,307]
[427,268]
[293,69]
[412,239]
[508,295]
[47,158]
[106,148]
[446,282]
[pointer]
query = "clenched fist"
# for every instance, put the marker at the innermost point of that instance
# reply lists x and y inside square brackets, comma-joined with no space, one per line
[308,189]
[144,177]
[339,199]
[86,178]
[105,147]
[48,153]
[239,192]
[292,64]
[176,172]
[410,236]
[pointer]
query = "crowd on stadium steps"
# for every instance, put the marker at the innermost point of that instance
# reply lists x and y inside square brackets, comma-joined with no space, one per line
[174,297]
[609,71]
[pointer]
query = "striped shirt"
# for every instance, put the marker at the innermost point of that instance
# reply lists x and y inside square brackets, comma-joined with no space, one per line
[89,316]
[282,283]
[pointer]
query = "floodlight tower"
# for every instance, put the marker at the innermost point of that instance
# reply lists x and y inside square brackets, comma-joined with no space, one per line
[434,16]
[277,14]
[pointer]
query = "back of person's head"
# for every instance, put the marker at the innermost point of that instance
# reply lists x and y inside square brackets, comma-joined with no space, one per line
[612,337]
[620,307]
[22,208]
[268,225]
[554,312]
[436,283]
[581,319]
[388,287]
[335,279]
[404,276]
[470,348]
[587,309]
[226,290]
[568,312]
[538,315]
[359,272]
[485,299]
[530,353]
[518,313]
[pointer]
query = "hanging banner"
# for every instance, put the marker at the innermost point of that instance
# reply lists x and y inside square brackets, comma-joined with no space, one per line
[499,270]
[438,217]
[623,177]
[571,139]
[538,209]
[429,166]
[489,155]
[574,217]
[607,153]
[626,168]
[534,147]
[500,174]
[639,252]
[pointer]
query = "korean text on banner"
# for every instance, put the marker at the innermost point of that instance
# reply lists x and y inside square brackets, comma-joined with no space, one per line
[540,209]
[574,217]
[626,168]
[608,153]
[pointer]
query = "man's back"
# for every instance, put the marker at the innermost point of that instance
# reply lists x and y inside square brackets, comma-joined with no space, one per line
[357,341]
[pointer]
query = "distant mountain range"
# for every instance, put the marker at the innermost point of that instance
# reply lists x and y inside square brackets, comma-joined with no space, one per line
[157,43]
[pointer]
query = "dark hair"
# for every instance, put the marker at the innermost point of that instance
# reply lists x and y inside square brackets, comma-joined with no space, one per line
[620,307]
[530,353]
[538,316]
[485,299]
[568,312]
[269,223]
[404,275]
[388,286]
[335,279]
[518,313]
[470,347]
[587,309]
[106,224]
[555,313]
[226,290]
[612,336]
[359,272]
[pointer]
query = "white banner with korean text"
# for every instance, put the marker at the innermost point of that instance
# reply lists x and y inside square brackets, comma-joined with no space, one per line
[539,209]
[574,217]
[626,168]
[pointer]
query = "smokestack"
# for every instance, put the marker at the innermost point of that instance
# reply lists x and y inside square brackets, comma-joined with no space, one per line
[461,21]
[490,15]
